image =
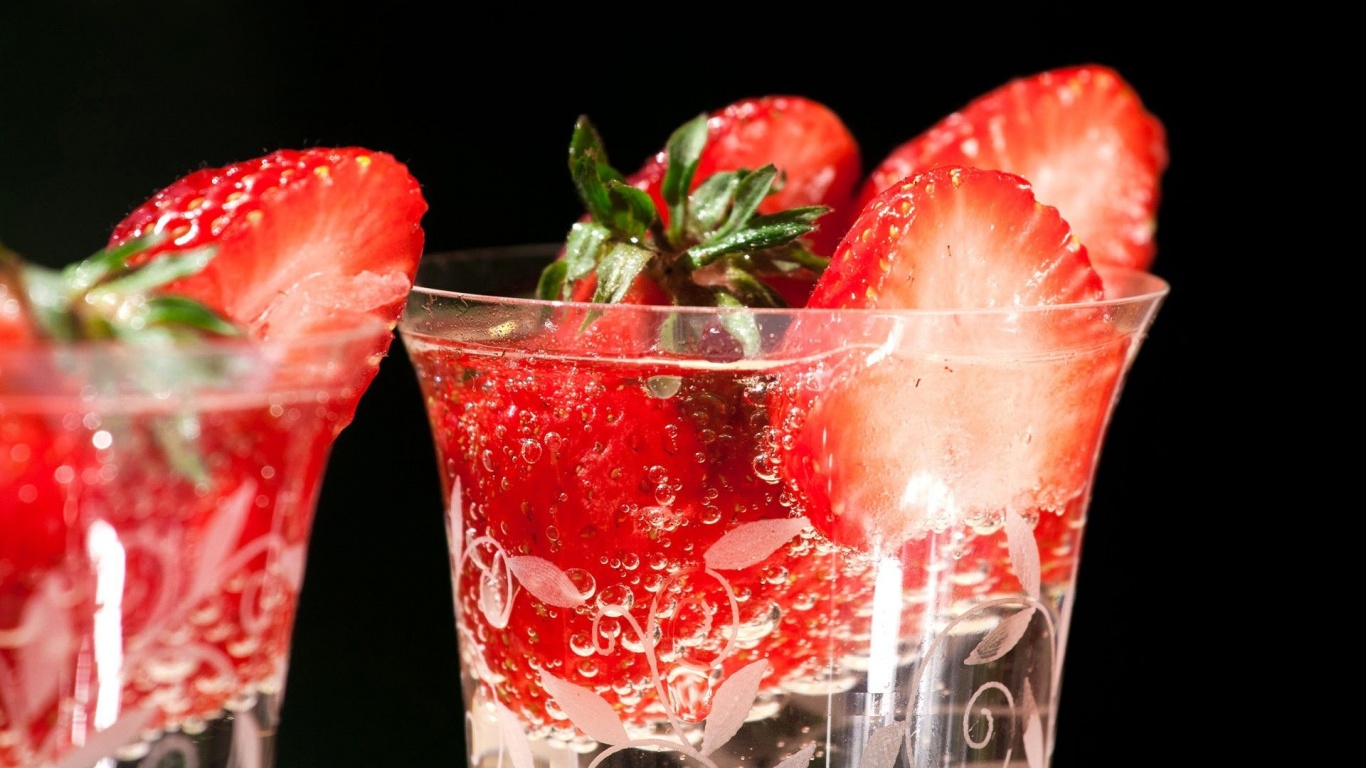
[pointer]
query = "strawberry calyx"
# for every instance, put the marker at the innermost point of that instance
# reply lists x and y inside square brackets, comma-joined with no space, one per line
[707,251]
[113,294]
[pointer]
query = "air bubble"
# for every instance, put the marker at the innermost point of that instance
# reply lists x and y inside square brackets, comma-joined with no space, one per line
[663,387]
[553,441]
[664,495]
[583,581]
[531,451]
[581,644]
[616,600]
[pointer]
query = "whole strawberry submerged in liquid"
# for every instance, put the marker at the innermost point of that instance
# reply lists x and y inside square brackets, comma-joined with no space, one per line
[208,506]
[615,538]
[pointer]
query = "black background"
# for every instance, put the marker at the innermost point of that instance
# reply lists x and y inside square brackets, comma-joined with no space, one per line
[102,104]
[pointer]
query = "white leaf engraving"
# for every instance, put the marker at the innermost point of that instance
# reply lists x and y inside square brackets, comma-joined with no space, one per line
[220,539]
[45,641]
[1024,553]
[884,744]
[1035,754]
[748,544]
[798,759]
[1002,638]
[731,705]
[587,710]
[545,580]
[514,739]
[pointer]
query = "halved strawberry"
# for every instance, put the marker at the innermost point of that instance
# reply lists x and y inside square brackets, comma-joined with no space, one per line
[300,235]
[1082,138]
[956,418]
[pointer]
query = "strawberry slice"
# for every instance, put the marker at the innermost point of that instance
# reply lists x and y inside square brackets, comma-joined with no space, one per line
[301,236]
[1082,138]
[960,417]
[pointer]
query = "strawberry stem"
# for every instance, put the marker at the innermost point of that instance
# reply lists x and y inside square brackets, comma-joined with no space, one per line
[709,249]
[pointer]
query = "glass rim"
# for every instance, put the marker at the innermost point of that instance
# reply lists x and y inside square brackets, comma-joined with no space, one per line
[120,376]
[1140,287]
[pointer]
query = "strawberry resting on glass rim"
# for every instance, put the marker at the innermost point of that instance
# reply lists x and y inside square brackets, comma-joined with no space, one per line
[152,542]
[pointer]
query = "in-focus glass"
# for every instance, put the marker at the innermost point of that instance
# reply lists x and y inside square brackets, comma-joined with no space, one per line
[761,537]
[155,510]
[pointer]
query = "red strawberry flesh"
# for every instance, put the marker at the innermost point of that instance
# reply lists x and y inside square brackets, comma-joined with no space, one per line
[962,416]
[1082,138]
[301,235]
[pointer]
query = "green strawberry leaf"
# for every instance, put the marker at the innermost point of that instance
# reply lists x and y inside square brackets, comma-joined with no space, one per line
[50,302]
[633,212]
[586,142]
[617,270]
[180,312]
[154,274]
[711,201]
[751,191]
[592,191]
[761,232]
[740,325]
[684,151]
[552,285]
[750,290]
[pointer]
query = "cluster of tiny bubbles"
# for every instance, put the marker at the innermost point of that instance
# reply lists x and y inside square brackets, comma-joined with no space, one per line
[661,518]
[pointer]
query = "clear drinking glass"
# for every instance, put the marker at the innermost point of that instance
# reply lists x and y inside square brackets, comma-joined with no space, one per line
[155,509]
[852,543]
